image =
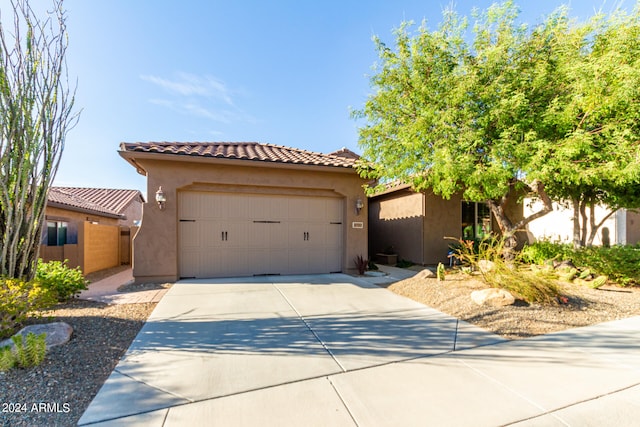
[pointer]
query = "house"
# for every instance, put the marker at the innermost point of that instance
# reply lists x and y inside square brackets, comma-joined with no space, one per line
[90,227]
[419,226]
[622,227]
[241,209]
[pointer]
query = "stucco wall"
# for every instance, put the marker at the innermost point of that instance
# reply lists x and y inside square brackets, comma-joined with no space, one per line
[557,226]
[395,222]
[155,254]
[133,213]
[443,219]
[101,247]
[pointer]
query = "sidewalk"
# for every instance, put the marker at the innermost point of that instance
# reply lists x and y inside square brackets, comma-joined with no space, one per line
[106,291]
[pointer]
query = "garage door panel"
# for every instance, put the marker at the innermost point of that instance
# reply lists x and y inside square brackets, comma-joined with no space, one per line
[245,234]
[189,235]
[334,210]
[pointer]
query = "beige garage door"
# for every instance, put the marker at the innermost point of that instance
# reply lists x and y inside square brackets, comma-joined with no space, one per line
[224,235]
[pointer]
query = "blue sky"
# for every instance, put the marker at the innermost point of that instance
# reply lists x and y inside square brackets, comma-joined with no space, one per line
[280,72]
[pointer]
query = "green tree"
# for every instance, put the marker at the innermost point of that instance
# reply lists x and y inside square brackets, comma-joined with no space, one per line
[485,119]
[598,160]
[35,116]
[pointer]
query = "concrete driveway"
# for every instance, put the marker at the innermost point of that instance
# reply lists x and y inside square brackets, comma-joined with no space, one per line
[334,350]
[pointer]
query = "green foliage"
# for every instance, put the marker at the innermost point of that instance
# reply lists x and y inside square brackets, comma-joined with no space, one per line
[555,103]
[543,251]
[19,298]
[30,351]
[372,266]
[7,358]
[403,263]
[35,115]
[440,273]
[619,263]
[58,277]
[530,285]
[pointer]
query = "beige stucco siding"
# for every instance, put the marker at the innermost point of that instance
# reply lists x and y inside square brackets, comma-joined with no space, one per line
[156,244]
[443,219]
[396,224]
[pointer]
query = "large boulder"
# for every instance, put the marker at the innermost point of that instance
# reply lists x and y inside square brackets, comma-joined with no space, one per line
[58,333]
[493,296]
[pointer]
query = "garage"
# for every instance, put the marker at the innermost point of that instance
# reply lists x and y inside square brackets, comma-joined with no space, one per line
[227,234]
[233,209]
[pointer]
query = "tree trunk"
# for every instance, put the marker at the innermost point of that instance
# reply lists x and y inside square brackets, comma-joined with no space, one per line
[576,222]
[583,218]
[507,228]
[596,226]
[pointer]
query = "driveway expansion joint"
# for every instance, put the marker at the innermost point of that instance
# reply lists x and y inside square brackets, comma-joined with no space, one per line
[308,326]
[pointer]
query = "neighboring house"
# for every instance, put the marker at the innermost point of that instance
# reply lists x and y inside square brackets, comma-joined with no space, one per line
[242,209]
[623,227]
[417,225]
[90,227]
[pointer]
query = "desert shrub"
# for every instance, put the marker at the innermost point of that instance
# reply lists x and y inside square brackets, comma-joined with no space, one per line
[487,258]
[19,298]
[542,251]
[30,350]
[7,358]
[56,276]
[361,264]
[620,263]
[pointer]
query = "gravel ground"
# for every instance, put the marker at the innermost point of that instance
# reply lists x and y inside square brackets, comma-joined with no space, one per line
[71,374]
[586,306]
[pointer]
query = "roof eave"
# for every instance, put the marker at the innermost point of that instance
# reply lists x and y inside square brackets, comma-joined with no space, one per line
[85,210]
[132,156]
[394,189]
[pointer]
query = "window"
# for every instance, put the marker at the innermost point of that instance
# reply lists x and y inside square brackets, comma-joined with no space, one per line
[56,233]
[476,220]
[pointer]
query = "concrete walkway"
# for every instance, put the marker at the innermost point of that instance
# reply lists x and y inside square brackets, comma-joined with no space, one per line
[334,350]
[106,291]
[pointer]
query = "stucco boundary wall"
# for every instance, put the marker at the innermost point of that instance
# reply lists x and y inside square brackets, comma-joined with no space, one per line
[99,247]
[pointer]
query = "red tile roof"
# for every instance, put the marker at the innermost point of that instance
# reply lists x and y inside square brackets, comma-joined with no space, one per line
[242,151]
[103,201]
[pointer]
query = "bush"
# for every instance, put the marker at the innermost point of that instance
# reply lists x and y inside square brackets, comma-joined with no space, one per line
[619,263]
[538,287]
[56,276]
[27,352]
[17,299]
[30,350]
[540,252]
[7,358]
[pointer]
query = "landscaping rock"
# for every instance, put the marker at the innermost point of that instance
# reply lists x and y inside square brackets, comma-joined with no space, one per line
[425,274]
[566,264]
[486,266]
[58,333]
[493,296]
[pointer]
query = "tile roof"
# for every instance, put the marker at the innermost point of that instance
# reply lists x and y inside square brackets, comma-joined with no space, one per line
[241,151]
[346,153]
[105,201]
